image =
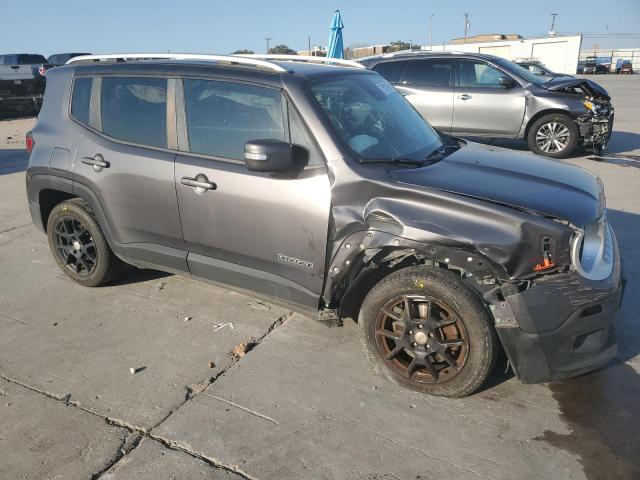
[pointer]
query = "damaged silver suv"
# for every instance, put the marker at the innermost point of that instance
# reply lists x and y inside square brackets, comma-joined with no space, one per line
[479,95]
[319,186]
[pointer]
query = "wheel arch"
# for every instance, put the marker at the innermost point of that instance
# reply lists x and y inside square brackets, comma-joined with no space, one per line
[364,258]
[539,115]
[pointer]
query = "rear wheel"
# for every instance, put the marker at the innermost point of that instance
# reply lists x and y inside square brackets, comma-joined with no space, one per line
[78,244]
[553,135]
[429,332]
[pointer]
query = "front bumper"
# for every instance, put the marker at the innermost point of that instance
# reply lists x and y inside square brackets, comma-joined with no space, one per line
[595,130]
[561,327]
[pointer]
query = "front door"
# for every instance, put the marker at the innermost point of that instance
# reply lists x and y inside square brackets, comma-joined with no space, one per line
[257,231]
[482,106]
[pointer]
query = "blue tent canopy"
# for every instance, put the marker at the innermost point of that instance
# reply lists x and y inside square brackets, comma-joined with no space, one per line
[335,48]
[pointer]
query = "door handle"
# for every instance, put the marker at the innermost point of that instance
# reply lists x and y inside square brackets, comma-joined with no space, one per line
[97,162]
[200,183]
[464,96]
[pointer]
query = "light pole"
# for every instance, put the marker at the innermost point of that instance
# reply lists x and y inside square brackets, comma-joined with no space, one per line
[267,39]
[552,32]
[466,26]
[431,32]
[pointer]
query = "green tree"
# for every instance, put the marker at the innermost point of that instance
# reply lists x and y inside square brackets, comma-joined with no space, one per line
[399,45]
[282,50]
[244,51]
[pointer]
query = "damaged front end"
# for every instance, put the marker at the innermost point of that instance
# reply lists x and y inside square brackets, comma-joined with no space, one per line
[560,324]
[596,124]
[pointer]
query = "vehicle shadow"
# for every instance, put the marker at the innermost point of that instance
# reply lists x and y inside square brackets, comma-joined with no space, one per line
[138,275]
[13,160]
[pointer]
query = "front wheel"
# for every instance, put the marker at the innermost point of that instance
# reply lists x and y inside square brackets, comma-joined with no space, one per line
[429,332]
[554,135]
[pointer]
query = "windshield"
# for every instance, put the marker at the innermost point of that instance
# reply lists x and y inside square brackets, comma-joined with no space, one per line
[520,71]
[373,119]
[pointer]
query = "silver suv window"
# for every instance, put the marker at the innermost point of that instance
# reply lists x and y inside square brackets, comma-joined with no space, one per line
[223,116]
[134,109]
[428,73]
[473,73]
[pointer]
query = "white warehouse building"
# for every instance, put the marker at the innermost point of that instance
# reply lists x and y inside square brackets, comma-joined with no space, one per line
[558,53]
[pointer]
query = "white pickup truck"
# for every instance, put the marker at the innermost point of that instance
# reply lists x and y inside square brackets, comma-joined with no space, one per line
[22,82]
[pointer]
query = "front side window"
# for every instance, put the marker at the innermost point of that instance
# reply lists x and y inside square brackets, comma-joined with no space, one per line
[81,99]
[428,73]
[134,109]
[373,118]
[478,74]
[223,116]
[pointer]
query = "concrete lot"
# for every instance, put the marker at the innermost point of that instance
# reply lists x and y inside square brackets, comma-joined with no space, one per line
[302,402]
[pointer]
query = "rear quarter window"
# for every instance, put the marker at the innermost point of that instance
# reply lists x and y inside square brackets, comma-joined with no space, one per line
[81,99]
[391,71]
[134,109]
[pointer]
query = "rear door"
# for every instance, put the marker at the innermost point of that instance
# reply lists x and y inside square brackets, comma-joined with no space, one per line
[125,162]
[482,106]
[428,85]
[257,231]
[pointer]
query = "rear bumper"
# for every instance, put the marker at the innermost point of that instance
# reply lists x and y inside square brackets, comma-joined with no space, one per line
[564,327]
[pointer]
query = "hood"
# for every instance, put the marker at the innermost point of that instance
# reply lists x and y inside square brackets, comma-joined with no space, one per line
[567,84]
[516,179]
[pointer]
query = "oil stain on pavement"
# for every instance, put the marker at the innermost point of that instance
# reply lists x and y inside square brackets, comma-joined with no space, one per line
[602,410]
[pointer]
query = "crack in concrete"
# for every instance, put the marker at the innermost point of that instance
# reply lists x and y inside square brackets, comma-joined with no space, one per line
[127,446]
[205,385]
[173,445]
[245,409]
[14,318]
[15,228]
[142,432]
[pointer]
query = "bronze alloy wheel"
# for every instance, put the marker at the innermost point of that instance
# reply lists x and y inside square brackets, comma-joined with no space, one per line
[421,338]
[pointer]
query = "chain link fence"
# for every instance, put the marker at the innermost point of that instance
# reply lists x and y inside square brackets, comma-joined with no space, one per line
[21,88]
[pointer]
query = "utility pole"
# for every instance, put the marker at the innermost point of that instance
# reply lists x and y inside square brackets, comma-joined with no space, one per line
[431,32]
[466,26]
[268,39]
[552,32]
[309,42]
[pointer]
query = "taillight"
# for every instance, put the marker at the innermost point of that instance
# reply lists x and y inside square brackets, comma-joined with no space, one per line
[42,70]
[29,143]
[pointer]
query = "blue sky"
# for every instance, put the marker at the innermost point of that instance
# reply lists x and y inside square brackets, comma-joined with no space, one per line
[213,26]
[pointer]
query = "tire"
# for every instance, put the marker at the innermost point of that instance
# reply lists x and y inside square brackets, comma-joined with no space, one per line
[549,125]
[447,299]
[93,264]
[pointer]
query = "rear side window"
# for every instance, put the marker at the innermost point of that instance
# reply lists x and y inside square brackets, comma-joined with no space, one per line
[478,74]
[134,109]
[223,116]
[391,71]
[81,99]
[428,73]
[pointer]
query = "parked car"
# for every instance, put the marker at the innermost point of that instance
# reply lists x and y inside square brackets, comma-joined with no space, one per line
[477,95]
[538,68]
[624,67]
[59,59]
[593,67]
[21,85]
[580,66]
[321,187]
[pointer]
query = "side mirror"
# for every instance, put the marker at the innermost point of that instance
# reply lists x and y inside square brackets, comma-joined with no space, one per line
[507,82]
[274,156]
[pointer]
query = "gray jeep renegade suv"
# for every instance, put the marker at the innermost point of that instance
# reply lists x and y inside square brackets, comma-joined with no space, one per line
[319,186]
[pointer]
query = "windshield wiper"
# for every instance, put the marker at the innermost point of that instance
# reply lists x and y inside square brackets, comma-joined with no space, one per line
[441,152]
[401,161]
